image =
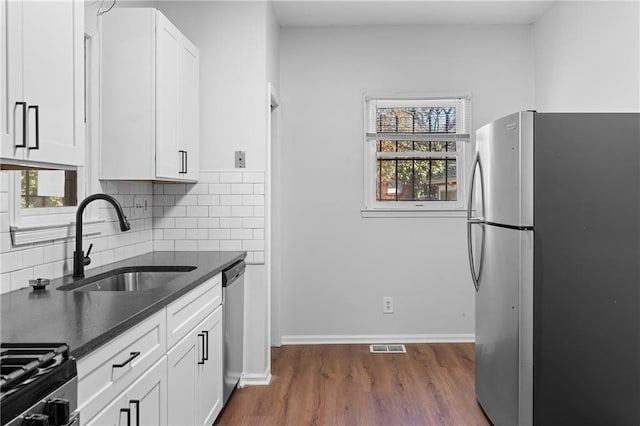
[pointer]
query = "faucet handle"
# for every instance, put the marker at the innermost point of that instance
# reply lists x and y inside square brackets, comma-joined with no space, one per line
[87,259]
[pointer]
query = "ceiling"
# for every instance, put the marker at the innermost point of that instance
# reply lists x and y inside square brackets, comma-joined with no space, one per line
[305,13]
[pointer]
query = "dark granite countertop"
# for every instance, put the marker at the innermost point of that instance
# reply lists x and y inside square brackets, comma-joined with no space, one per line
[86,320]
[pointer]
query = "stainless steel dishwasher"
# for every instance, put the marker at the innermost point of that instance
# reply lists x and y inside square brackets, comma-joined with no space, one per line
[233,325]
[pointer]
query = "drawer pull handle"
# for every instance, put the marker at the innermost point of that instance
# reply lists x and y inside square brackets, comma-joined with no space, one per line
[136,402]
[206,345]
[133,356]
[125,410]
[202,359]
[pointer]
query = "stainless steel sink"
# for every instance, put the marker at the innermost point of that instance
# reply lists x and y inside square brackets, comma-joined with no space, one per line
[130,279]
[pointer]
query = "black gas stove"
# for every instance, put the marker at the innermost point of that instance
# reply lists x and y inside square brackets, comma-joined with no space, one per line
[38,384]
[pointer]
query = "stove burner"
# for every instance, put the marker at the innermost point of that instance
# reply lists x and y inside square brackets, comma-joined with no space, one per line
[29,372]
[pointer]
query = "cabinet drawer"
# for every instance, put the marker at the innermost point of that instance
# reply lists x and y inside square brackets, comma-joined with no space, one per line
[186,312]
[105,373]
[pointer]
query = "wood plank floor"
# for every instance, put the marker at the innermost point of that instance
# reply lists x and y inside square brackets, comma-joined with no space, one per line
[333,385]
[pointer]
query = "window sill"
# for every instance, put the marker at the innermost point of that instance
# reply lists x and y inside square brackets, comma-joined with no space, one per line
[36,233]
[368,213]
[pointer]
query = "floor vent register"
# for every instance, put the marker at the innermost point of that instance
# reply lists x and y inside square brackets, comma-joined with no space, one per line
[387,349]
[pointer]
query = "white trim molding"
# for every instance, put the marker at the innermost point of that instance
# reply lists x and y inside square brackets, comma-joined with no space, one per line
[321,339]
[253,379]
[28,234]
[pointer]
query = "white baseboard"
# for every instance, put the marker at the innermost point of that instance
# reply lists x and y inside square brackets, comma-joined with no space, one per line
[376,338]
[252,379]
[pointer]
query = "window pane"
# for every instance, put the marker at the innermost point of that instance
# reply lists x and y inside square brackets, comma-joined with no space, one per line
[416,120]
[48,188]
[417,180]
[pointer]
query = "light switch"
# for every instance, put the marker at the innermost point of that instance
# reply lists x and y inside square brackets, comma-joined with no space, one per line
[240,163]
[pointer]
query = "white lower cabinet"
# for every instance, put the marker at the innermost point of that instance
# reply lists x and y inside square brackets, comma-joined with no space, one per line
[135,380]
[195,374]
[143,403]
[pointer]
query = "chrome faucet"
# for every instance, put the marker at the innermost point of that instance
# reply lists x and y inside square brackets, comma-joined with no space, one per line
[79,258]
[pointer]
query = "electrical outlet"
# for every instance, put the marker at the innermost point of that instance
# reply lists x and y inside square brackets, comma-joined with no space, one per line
[141,207]
[240,160]
[387,305]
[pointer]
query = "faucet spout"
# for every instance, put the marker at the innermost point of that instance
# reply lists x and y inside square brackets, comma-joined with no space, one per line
[78,254]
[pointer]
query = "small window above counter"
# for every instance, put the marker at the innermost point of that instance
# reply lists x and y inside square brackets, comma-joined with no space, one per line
[150,106]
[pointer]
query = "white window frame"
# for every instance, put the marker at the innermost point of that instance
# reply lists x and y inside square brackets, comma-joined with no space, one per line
[375,208]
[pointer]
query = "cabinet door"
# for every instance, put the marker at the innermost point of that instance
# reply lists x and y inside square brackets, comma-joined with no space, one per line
[112,414]
[188,108]
[147,397]
[168,159]
[209,374]
[53,80]
[13,109]
[182,360]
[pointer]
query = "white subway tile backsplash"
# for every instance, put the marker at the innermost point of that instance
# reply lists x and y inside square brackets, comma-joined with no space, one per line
[241,211]
[241,188]
[230,177]
[258,188]
[209,200]
[198,211]
[230,245]
[250,258]
[230,222]
[253,200]
[198,188]
[223,211]
[20,278]
[208,245]
[219,211]
[231,200]
[241,234]
[253,222]
[186,245]
[5,283]
[219,234]
[163,245]
[45,271]
[32,257]
[186,222]
[175,188]
[209,177]
[219,188]
[175,211]
[208,222]
[197,234]
[164,200]
[253,177]
[164,222]
[11,261]
[186,200]
[174,234]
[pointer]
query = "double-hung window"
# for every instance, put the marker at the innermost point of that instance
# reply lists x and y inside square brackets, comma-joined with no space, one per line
[415,155]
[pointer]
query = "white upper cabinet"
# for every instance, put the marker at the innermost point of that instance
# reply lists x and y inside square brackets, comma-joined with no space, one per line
[150,105]
[42,79]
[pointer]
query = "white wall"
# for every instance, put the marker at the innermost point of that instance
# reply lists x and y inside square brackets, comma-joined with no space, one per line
[586,57]
[337,266]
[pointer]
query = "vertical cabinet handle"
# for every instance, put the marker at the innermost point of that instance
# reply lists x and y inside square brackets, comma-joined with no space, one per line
[183,166]
[186,162]
[128,412]
[206,345]
[37,109]
[136,402]
[24,124]
[202,359]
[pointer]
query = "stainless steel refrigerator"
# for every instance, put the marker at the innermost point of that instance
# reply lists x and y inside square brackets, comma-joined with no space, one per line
[554,248]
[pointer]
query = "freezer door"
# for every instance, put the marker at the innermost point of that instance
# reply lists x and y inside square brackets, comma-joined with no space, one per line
[505,149]
[504,327]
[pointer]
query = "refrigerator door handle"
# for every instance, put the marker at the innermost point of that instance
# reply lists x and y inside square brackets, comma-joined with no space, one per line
[475,275]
